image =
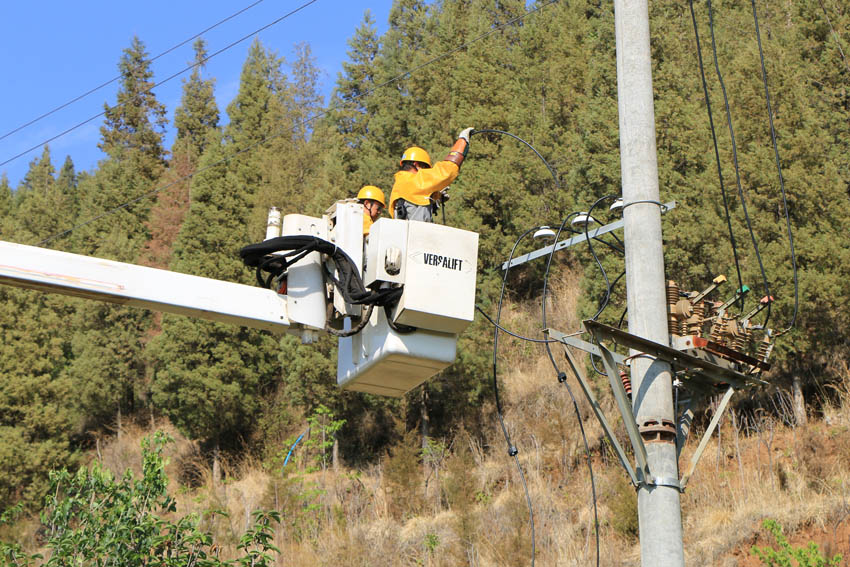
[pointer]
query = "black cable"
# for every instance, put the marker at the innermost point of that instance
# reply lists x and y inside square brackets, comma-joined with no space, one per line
[112,80]
[512,451]
[835,35]
[717,155]
[735,161]
[295,127]
[607,296]
[492,131]
[779,172]
[563,380]
[162,82]
[511,333]
[364,320]
[561,376]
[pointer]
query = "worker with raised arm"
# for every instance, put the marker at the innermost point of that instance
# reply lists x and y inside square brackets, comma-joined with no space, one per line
[419,186]
[373,201]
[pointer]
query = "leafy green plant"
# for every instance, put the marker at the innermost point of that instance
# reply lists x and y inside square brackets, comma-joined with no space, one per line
[323,430]
[91,518]
[790,556]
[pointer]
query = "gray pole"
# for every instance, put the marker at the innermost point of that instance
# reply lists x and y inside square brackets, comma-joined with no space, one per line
[659,509]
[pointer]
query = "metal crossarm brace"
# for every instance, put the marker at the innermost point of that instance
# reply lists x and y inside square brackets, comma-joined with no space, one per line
[626,412]
[597,410]
[580,344]
[706,370]
[577,239]
[721,407]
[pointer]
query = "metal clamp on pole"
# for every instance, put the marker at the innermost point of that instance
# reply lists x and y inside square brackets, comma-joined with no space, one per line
[664,481]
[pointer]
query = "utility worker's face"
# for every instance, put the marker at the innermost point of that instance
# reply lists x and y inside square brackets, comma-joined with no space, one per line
[373,208]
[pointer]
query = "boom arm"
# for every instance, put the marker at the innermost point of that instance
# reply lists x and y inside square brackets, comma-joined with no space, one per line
[127,284]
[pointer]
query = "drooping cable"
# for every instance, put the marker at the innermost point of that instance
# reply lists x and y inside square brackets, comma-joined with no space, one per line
[717,154]
[112,80]
[512,450]
[262,256]
[502,132]
[511,333]
[162,82]
[607,297]
[562,378]
[779,173]
[294,128]
[561,375]
[834,34]
[735,161]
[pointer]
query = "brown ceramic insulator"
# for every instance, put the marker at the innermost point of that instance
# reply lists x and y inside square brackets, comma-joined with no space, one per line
[763,351]
[627,382]
[695,321]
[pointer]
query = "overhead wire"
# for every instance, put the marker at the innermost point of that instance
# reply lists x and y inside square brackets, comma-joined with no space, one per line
[779,173]
[562,378]
[607,297]
[561,375]
[834,34]
[737,169]
[112,80]
[512,450]
[717,155]
[162,82]
[300,124]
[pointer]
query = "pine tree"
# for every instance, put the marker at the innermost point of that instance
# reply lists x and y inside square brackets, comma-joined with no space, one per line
[196,121]
[7,204]
[108,343]
[209,377]
[44,206]
[133,127]
[351,156]
[197,116]
[39,414]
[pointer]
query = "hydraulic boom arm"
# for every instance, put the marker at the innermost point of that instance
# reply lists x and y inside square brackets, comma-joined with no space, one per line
[127,284]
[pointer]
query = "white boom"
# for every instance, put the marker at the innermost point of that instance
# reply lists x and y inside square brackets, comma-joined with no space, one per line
[398,348]
[127,284]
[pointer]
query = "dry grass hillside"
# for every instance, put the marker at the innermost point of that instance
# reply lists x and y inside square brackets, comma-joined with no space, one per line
[465,504]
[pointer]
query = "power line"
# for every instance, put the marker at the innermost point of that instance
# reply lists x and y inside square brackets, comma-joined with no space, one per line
[295,127]
[112,80]
[735,161]
[779,170]
[717,155]
[837,40]
[192,66]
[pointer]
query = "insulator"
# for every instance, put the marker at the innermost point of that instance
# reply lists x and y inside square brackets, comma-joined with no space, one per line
[763,351]
[672,292]
[672,297]
[627,382]
[740,343]
[717,332]
[695,321]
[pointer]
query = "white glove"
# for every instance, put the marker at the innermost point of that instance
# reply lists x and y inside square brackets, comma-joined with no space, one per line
[465,134]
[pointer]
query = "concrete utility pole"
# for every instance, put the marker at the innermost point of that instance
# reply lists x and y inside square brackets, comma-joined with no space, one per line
[659,509]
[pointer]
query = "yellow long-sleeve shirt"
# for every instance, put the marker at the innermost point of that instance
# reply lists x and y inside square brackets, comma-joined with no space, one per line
[417,187]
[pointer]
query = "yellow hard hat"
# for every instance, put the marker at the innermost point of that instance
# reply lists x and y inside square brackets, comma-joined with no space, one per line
[372,192]
[415,154]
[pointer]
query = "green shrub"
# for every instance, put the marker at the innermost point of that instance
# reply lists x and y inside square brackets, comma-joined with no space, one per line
[91,518]
[789,556]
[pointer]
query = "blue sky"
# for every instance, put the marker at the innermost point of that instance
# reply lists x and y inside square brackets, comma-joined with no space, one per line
[54,51]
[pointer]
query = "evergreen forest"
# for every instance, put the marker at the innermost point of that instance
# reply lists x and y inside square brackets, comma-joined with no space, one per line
[76,375]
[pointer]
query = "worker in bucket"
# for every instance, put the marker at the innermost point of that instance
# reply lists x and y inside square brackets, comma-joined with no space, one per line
[419,186]
[373,201]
